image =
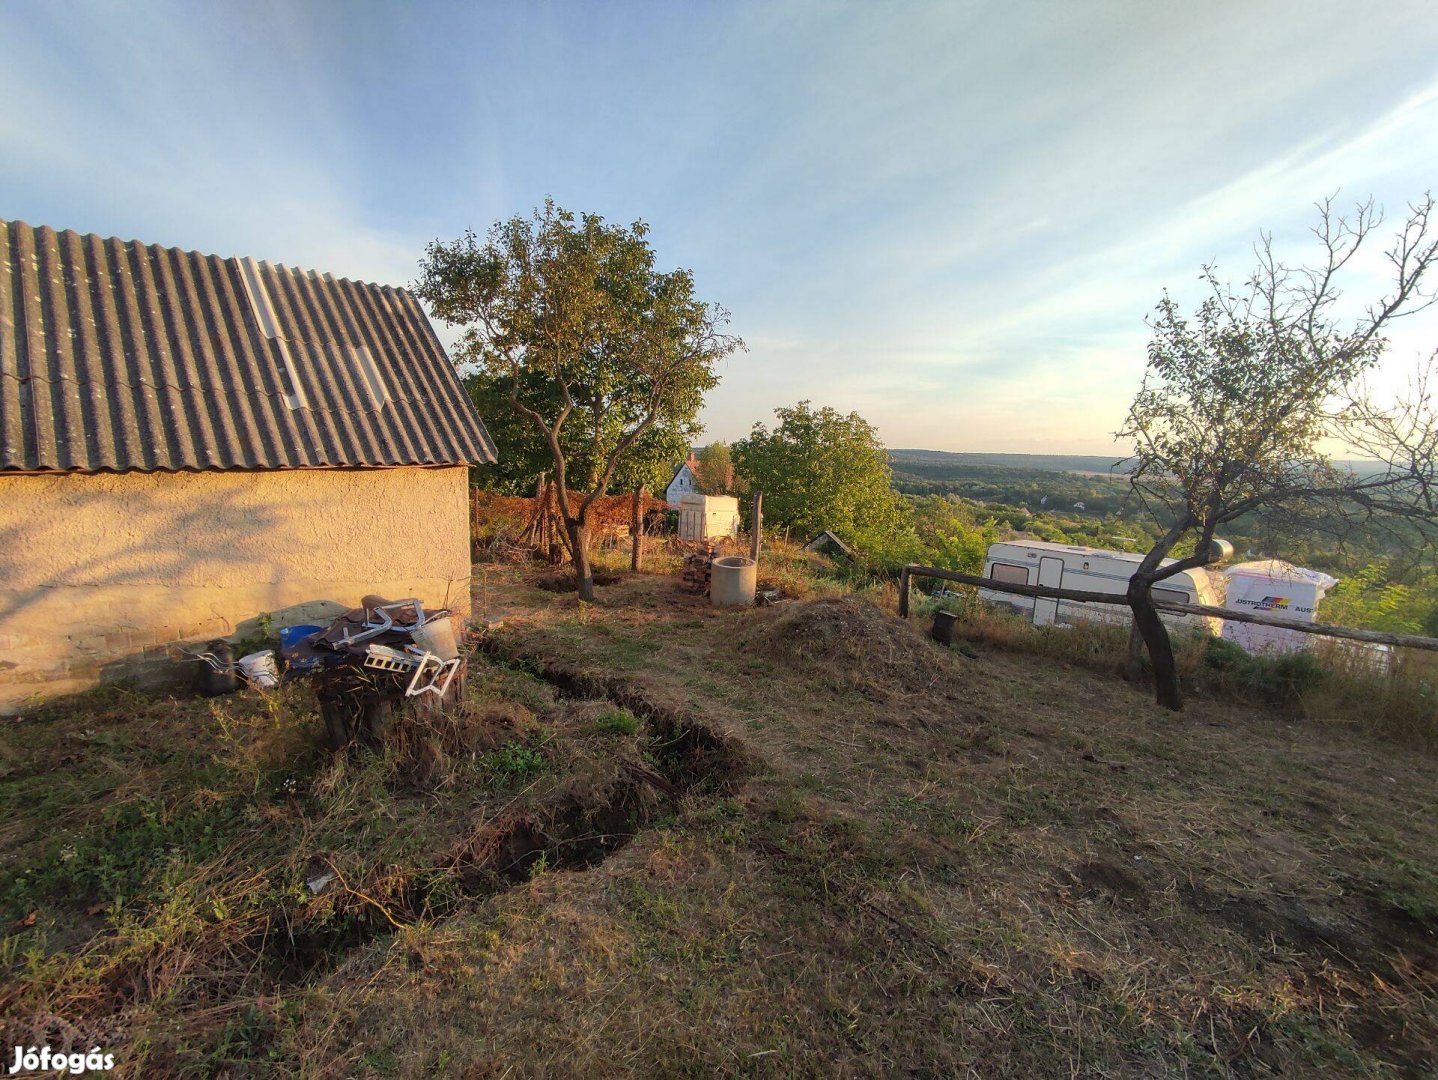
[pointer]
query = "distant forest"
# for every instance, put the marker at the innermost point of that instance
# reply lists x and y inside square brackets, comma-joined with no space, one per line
[910,460]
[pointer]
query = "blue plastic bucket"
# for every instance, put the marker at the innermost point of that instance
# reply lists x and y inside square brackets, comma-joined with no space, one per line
[291,638]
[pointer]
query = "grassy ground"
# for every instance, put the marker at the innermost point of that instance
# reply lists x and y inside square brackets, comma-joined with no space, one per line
[661,840]
[1393,697]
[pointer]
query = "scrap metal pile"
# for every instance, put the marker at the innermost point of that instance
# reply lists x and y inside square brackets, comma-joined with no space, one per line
[392,644]
[368,659]
[371,657]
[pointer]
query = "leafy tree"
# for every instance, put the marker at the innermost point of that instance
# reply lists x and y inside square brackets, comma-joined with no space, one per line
[715,471]
[595,347]
[1237,398]
[1368,598]
[950,535]
[525,453]
[819,469]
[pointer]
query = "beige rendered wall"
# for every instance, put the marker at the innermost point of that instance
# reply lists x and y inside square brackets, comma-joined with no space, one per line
[101,575]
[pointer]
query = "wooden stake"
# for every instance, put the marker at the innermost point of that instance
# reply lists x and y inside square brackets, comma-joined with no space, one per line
[756,518]
[636,530]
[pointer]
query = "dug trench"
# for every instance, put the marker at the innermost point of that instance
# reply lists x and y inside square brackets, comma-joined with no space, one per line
[679,763]
[691,754]
[590,807]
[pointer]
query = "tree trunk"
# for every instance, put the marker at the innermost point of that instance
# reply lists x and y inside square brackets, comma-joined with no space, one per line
[1160,649]
[583,574]
[1133,666]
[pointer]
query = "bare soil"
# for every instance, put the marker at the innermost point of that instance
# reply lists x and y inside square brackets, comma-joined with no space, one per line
[561,582]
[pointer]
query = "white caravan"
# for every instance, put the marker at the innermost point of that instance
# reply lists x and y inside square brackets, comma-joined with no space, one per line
[1278,588]
[1068,566]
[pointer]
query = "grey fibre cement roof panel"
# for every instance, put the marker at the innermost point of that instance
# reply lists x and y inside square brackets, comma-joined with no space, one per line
[119,356]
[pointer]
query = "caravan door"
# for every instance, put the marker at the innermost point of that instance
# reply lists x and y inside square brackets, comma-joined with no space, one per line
[1051,573]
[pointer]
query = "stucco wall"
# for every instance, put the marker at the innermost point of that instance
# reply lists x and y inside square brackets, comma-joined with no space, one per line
[100,574]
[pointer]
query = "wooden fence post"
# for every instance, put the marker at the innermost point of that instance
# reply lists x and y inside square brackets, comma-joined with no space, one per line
[1133,661]
[904,593]
[756,541]
[636,530]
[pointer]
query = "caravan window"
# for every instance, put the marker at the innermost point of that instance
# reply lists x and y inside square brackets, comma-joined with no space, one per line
[1173,596]
[1014,575]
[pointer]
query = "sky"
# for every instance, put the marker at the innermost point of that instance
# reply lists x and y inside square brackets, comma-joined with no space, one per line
[952,218]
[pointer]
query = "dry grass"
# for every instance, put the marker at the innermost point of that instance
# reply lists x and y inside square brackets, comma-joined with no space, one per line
[163,854]
[1395,698]
[1003,866]
[884,858]
[1399,703]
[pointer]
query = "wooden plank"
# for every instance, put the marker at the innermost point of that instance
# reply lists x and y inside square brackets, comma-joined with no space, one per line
[1083,596]
[756,522]
[1376,637]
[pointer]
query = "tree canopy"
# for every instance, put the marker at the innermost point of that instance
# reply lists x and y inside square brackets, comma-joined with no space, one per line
[715,469]
[820,469]
[1239,396]
[567,316]
[525,453]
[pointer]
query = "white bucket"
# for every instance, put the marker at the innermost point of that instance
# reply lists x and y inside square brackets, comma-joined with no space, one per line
[437,636]
[260,669]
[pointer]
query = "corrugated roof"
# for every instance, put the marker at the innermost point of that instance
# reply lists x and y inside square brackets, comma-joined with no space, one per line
[119,356]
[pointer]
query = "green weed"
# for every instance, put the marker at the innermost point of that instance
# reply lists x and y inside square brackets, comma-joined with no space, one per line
[513,761]
[618,722]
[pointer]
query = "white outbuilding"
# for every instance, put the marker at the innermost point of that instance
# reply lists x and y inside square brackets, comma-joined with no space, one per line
[683,482]
[708,517]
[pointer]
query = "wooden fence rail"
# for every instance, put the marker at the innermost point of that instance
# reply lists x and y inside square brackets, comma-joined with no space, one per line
[1377,637]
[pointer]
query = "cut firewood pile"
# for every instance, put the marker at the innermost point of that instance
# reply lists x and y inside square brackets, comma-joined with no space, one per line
[698,567]
[535,524]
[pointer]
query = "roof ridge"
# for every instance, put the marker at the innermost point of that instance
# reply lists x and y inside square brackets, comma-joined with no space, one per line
[134,242]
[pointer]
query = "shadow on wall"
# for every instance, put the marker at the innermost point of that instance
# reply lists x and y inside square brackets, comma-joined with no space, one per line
[105,585]
[101,576]
[164,665]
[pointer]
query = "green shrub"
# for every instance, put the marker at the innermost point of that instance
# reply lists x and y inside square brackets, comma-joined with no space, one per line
[1224,655]
[1276,680]
[618,722]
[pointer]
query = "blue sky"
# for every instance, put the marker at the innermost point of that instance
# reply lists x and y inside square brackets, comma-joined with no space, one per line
[950,217]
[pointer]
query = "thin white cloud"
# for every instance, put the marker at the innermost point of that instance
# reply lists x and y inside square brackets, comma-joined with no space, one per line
[951,217]
[187,147]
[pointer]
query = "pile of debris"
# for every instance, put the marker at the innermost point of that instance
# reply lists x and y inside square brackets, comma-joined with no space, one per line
[379,653]
[698,567]
[388,637]
[366,660]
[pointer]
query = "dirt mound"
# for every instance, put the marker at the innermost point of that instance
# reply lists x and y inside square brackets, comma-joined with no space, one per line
[853,646]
